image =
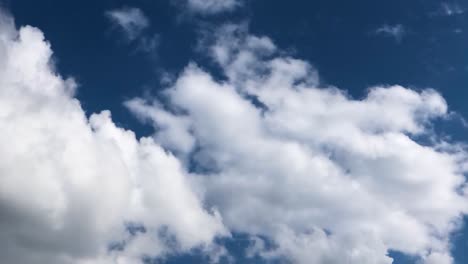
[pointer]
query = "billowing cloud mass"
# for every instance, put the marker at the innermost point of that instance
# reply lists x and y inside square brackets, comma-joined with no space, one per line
[79,190]
[211,6]
[327,178]
[131,20]
[266,152]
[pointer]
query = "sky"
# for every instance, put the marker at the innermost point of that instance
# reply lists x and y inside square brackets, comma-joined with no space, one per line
[233,131]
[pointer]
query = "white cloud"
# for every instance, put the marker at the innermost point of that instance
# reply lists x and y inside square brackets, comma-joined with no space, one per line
[69,185]
[395,31]
[328,178]
[211,6]
[172,131]
[130,19]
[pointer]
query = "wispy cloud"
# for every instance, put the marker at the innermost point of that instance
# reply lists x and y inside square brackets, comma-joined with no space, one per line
[131,20]
[451,9]
[395,31]
[211,6]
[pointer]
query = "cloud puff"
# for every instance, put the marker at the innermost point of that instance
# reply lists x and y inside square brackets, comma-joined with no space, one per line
[211,6]
[395,31]
[79,190]
[325,177]
[130,19]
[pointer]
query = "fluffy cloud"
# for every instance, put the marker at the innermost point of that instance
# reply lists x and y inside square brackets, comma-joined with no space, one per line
[326,177]
[266,151]
[79,190]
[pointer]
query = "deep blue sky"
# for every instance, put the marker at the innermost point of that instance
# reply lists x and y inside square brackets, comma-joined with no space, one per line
[338,37]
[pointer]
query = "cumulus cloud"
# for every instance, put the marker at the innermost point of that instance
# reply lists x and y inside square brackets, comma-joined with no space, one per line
[208,7]
[324,177]
[82,190]
[395,31]
[267,151]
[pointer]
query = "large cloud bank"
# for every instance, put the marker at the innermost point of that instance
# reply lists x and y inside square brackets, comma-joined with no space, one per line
[266,152]
[330,179]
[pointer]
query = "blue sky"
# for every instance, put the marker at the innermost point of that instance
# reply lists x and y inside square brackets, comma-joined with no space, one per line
[238,131]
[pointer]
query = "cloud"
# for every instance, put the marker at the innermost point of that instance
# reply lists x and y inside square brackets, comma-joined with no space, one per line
[395,31]
[82,190]
[450,9]
[266,152]
[326,177]
[130,19]
[211,6]
[133,22]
